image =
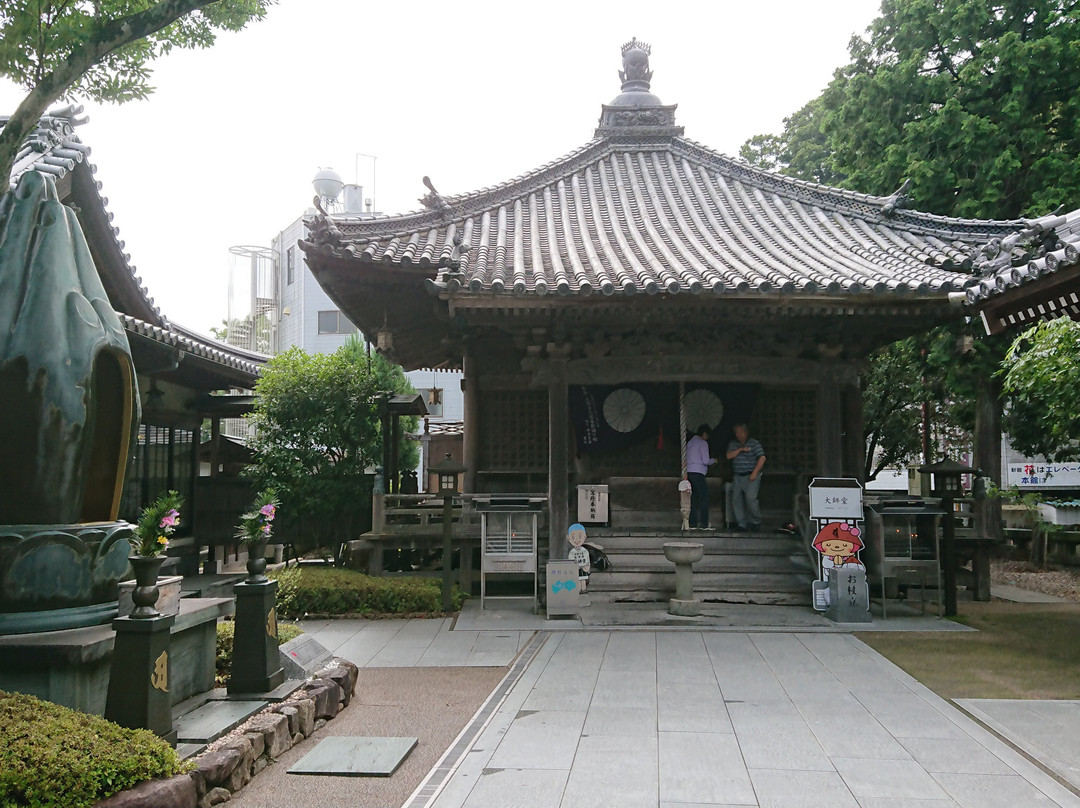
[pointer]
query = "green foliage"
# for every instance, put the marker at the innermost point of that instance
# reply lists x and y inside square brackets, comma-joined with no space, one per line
[317,430]
[801,151]
[325,590]
[256,524]
[1042,376]
[977,103]
[930,370]
[157,522]
[98,49]
[389,377]
[226,632]
[55,757]
[40,38]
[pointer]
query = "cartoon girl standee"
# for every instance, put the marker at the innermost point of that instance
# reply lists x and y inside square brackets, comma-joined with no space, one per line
[839,545]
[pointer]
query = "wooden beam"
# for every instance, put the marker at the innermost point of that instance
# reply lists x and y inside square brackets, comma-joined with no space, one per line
[689,368]
[558,459]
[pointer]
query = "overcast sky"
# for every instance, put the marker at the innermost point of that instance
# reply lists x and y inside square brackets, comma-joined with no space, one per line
[469,93]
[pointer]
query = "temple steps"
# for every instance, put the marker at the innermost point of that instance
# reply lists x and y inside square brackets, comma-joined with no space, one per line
[764,568]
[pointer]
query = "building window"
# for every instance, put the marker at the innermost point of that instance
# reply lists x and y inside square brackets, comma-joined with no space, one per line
[290,265]
[334,322]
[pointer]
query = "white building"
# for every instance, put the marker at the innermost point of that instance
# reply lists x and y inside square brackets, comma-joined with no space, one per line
[302,314]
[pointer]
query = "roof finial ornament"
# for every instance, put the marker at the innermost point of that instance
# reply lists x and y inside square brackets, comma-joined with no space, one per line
[635,74]
[636,111]
[433,199]
[897,200]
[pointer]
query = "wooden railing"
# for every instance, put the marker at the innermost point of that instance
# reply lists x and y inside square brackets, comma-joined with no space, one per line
[415,522]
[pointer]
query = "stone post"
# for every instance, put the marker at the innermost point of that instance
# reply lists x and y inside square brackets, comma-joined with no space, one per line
[138,695]
[256,666]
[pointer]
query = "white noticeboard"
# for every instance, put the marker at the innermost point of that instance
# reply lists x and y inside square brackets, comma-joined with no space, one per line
[1034,474]
[836,498]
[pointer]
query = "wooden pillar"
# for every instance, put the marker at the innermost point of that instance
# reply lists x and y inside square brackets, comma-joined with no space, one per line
[395,454]
[215,435]
[988,455]
[387,440]
[470,440]
[852,434]
[830,445]
[558,459]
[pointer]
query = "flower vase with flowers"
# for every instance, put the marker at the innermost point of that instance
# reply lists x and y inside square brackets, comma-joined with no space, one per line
[254,531]
[156,524]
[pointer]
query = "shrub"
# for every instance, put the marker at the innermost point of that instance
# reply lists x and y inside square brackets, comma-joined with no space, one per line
[55,756]
[226,629]
[328,590]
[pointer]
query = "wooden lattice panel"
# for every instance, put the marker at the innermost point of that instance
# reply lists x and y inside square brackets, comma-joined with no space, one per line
[514,430]
[786,423]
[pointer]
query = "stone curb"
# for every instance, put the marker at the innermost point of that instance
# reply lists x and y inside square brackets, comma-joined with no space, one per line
[226,768]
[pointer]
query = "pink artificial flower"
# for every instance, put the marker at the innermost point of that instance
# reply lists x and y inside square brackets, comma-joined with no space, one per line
[268,511]
[266,530]
[171,519]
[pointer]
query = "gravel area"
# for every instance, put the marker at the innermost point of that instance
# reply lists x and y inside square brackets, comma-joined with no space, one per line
[1061,581]
[432,704]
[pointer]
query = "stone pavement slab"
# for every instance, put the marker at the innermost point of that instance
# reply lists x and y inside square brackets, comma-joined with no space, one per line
[737,617]
[1018,595]
[709,715]
[354,756]
[788,719]
[213,719]
[1049,731]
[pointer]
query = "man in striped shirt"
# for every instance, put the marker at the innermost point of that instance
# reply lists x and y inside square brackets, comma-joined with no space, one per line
[747,459]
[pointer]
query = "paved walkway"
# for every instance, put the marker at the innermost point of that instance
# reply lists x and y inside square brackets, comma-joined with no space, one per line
[715,716]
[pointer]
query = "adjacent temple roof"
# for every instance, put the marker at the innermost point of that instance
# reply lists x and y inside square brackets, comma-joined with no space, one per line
[1017,290]
[642,209]
[55,150]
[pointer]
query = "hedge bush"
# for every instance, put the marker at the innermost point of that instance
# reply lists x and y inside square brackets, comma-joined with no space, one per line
[56,757]
[308,590]
[226,629]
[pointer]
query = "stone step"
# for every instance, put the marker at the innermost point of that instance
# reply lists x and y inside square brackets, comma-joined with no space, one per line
[656,562]
[668,519]
[646,586]
[714,543]
[793,598]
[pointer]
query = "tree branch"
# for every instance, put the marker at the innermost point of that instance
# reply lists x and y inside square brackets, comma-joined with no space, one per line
[104,39]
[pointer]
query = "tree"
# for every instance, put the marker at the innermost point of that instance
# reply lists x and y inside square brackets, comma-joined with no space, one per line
[389,377]
[99,49]
[317,432]
[915,384]
[1042,375]
[978,104]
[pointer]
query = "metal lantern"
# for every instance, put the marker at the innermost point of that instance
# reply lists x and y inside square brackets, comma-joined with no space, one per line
[947,475]
[448,474]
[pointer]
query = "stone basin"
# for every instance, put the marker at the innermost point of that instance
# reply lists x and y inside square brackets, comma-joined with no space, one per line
[683,552]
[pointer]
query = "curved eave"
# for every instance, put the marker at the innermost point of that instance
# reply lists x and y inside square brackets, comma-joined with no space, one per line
[387,299]
[1044,288]
[181,355]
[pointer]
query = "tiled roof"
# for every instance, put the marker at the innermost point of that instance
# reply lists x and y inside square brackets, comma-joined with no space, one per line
[54,149]
[1003,267]
[666,215]
[189,342]
[640,208]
